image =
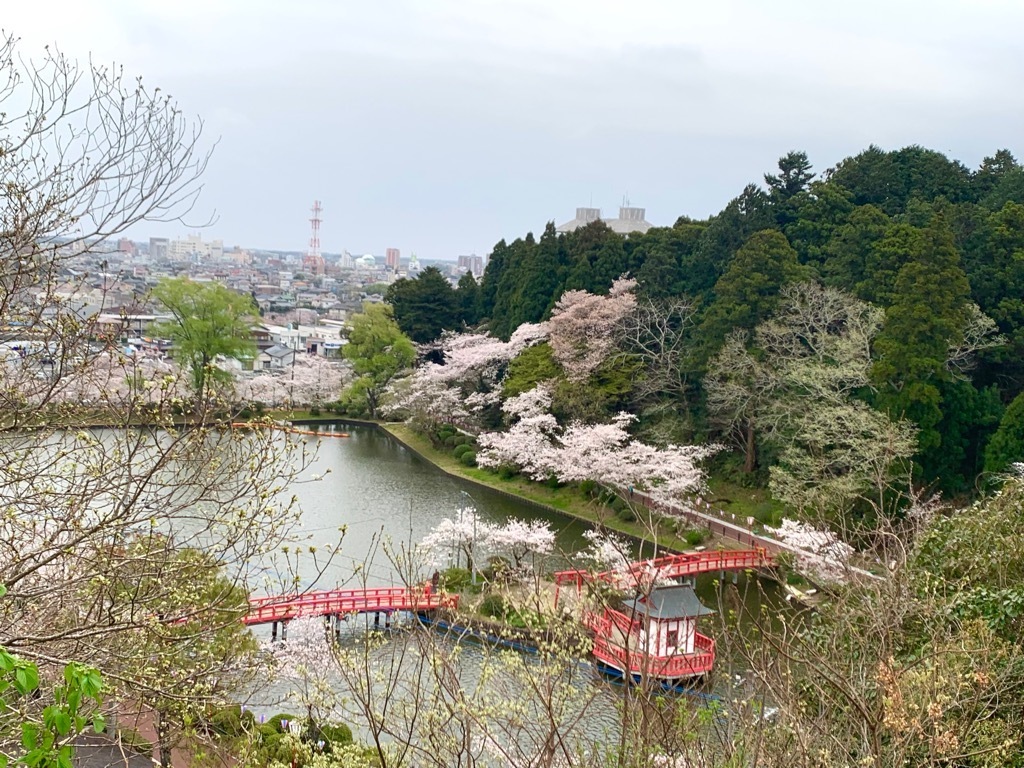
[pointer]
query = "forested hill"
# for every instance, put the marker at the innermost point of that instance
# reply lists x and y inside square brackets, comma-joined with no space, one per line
[912,232]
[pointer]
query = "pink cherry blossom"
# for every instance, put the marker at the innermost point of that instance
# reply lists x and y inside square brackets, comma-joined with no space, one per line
[823,554]
[584,327]
[312,380]
[605,453]
[519,539]
[466,534]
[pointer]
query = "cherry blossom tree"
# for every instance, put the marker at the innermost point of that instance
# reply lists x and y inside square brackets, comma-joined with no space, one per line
[477,360]
[520,539]
[306,662]
[824,555]
[605,453]
[427,402]
[465,383]
[312,380]
[608,551]
[467,534]
[585,328]
[112,378]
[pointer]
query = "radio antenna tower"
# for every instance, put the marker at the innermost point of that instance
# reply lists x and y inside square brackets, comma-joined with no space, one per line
[314,262]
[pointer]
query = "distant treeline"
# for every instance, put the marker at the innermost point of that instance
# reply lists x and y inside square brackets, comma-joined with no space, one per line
[911,231]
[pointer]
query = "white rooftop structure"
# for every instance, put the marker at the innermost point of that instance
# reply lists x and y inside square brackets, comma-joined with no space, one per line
[630,220]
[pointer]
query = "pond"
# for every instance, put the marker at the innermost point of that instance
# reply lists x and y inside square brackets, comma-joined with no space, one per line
[381,491]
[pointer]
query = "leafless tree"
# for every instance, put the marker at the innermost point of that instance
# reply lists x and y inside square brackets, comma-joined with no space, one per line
[96,524]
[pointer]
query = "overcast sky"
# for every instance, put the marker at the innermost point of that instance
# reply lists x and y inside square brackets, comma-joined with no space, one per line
[441,126]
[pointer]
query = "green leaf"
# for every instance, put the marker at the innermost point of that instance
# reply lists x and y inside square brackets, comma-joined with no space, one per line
[21,680]
[98,725]
[62,721]
[29,737]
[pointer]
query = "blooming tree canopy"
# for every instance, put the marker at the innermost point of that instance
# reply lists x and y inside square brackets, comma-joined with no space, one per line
[310,381]
[605,453]
[606,550]
[472,536]
[518,539]
[113,378]
[466,382]
[307,662]
[478,358]
[467,534]
[584,327]
[826,555]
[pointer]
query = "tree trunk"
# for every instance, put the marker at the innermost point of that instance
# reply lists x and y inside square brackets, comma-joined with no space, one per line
[750,461]
[163,740]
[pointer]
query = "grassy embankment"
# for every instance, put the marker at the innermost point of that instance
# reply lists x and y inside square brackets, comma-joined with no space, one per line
[744,501]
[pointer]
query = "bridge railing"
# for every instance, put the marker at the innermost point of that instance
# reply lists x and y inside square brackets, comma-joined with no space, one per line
[670,666]
[674,566]
[339,602]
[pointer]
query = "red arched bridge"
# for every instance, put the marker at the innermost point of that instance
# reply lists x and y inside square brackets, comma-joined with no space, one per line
[676,566]
[344,602]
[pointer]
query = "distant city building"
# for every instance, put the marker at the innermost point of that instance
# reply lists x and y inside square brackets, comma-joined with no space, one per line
[473,264]
[158,247]
[584,216]
[414,263]
[367,261]
[630,220]
[194,246]
[393,258]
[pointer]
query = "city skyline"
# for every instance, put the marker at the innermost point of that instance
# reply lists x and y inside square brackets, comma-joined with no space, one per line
[443,127]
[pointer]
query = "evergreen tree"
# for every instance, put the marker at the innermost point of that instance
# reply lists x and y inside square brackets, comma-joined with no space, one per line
[748,292]
[504,313]
[611,263]
[725,233]
[793,177]
[926,316]
[849,252]
[424,306]
[584,249]
[890,179]
[816,215]
[1007,445]
[992,171]
[496,263]
[467,299]
[542,276]
[901,245]
[656,257]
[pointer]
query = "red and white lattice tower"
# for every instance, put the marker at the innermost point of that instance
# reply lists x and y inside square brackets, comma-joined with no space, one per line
[314,262]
